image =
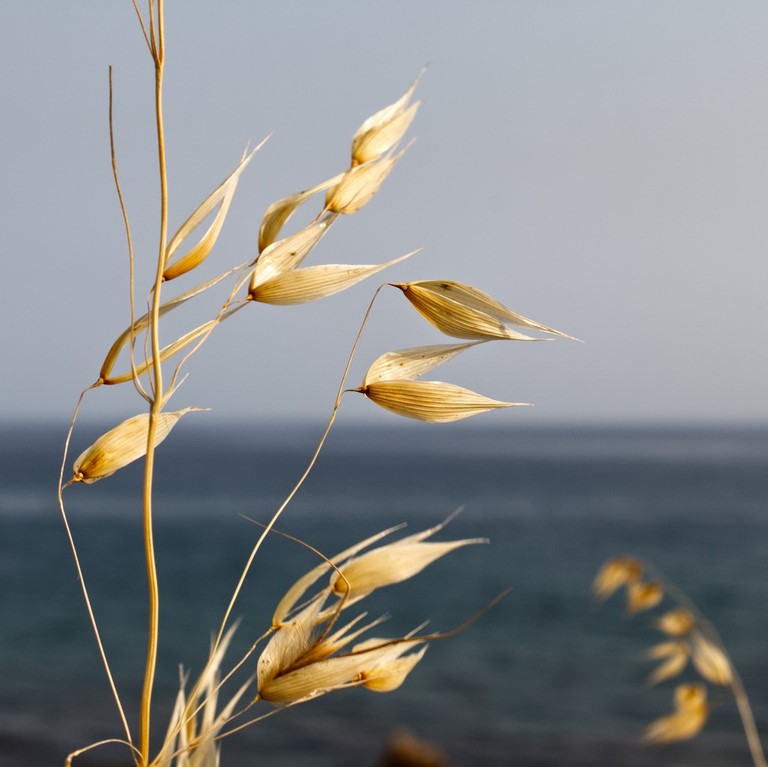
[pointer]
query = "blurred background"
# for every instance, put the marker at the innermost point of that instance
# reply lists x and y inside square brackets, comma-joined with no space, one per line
[597,166]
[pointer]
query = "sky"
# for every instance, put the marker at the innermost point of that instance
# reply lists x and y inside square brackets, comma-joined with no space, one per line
[599,166]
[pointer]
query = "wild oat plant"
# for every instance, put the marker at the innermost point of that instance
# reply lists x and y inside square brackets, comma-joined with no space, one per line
[311,648]
[690,640]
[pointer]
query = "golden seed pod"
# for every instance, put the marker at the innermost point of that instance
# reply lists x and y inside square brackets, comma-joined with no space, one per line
[690,716]
[287,254]
[462,311]
[358,185]
[710,660]
[122,445]
[390,673]
[675,656]
[431,401]
[406,364]
[221,197]
[300,286]
[332,674]
[391,564]
[676,622]
[141,324]
[614,574]
[280,212]
[165,353]
[643,596]
[384,129]
[289,642]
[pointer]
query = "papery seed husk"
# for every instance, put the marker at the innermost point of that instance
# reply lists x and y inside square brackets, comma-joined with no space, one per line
[614,574]
[688,719]
[391,564]
[122,445]
[643,596]
[379,139]
[280,212]
[221,197]
[432,401]
[463,311]
[710,661]
[676,655]
[165,353]
[143,322]
[406,364]
[287,254]
[289,642]
[676,622]
[312,283]
[359,185]
[390,676]
[298,589]
[384,129]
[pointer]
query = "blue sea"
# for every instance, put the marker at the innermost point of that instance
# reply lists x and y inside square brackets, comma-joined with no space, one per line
[545,678]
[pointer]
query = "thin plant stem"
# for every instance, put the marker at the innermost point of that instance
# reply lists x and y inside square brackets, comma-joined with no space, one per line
[158,48]
[78,568]
[268,527]
[98,744]
[129,242]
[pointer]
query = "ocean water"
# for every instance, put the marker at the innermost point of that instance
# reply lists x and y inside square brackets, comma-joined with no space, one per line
[544,678]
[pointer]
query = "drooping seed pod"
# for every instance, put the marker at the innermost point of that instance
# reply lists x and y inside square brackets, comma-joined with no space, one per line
[643,595]
[676,622]
[384,130]
[675,656]
[614,574]
[280,212]
[287,254]
[312,283]
[688,719]
[122,445]
[462,311]
[393,563]
[221,197]
[359,185]
[710,660]
[431,401]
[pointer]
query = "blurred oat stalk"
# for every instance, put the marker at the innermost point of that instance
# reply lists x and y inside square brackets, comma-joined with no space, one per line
[691,642]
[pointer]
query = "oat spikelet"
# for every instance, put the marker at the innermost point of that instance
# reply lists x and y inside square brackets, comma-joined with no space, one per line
[300,286]
[356,668]
[643,596]
[677,622]
[221,197]
[391,564]
[463,311]
[690,715]
[710,661]
[280,212]
[431,401]
[283,256]
[122,445]
[675,656]
[406,364]
[614,574]
[359,185]
[384,130]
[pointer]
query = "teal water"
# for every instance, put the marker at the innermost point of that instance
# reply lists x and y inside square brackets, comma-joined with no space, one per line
[544,678]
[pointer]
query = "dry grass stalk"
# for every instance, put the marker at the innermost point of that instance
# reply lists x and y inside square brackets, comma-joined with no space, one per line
[693,638]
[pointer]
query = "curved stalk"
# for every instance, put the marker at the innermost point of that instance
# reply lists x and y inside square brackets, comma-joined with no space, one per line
[79,570]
